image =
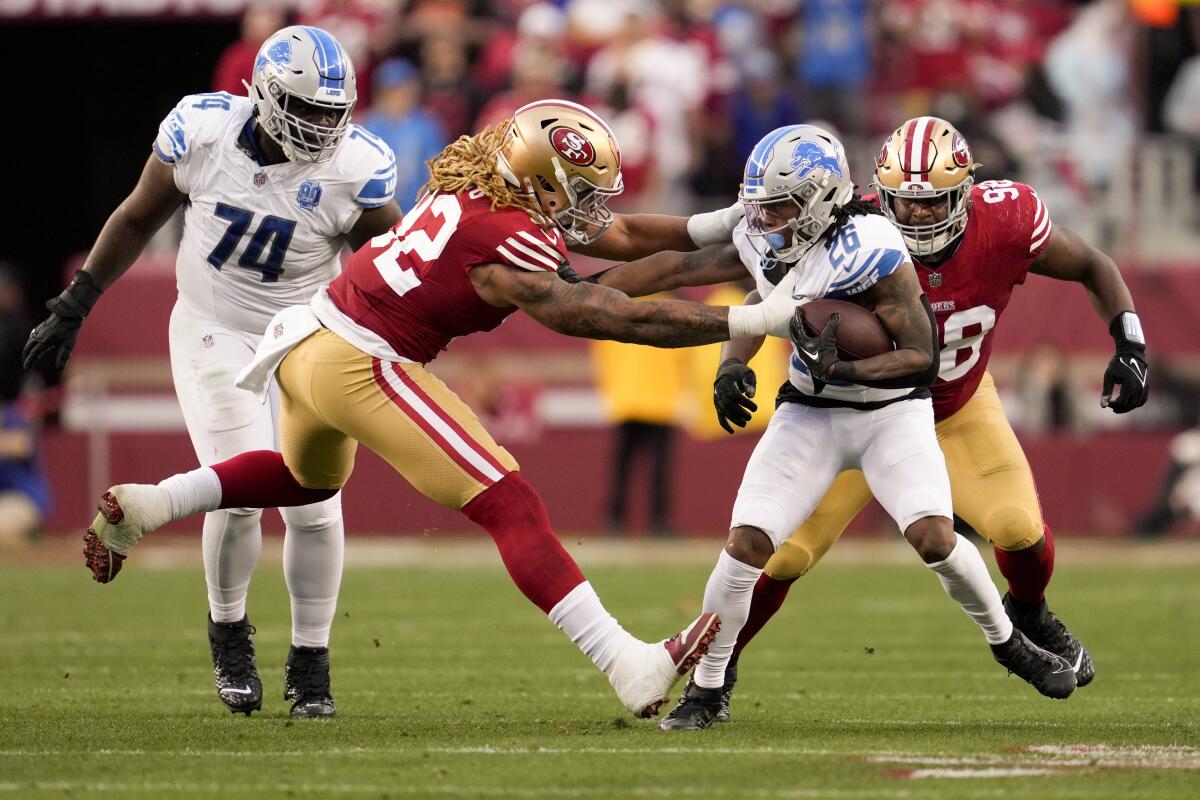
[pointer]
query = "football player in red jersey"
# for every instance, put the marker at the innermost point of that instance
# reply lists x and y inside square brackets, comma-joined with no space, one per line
[489,236]
[971,245]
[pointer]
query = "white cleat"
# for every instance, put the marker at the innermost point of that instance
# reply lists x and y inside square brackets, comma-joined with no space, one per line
[127,513]
[644,673]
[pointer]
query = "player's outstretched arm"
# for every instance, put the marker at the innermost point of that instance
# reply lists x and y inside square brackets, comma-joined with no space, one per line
[633,236]
[1067,257]
[908,318]
[596,312]
[121,241]
[665,271]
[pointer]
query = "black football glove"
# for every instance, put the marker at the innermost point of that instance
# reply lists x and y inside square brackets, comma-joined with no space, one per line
[819,353]
[1128,368]
[57,334]
[732,390]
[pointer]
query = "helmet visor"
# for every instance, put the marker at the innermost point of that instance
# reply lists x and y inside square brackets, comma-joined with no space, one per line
[785,224]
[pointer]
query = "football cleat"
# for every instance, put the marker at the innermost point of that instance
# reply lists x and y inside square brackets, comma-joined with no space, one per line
[1050,674]
[234,668]
[644,673]
[727,689]
[306,683]
[1048,632]
[698,708]
[127,513]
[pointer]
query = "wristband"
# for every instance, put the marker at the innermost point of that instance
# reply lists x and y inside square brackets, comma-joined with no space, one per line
[747,321]
[714,227]
[1126,331]
[76,301]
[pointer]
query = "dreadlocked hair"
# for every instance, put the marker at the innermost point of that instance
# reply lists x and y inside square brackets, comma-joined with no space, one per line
[856,207]
[469,162]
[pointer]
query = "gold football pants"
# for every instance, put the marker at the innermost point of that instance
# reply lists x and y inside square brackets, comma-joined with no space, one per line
[990,481]
[334,396]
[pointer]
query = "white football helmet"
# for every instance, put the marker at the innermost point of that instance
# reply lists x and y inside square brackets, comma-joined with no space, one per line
[303,89]
[793,180]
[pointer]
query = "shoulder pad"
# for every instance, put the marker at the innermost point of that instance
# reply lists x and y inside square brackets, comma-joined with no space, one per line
[194,121]
[369,161]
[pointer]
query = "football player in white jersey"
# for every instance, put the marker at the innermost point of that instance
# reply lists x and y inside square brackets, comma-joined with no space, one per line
[874,414]
[273,186]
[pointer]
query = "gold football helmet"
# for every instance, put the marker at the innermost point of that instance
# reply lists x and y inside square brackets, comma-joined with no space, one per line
[567,158]
[926,158]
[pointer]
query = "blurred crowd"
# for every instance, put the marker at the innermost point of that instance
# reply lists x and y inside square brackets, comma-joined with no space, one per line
[690,85]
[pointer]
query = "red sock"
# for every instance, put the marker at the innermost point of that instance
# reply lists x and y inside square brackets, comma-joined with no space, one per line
[512,512]
[768,598]
[260,479]
[1028,571]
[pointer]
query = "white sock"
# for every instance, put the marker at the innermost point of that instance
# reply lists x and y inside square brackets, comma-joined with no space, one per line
[231,545]
[193,492]
[582,617]
[313,550]
[730,587]
[965,578]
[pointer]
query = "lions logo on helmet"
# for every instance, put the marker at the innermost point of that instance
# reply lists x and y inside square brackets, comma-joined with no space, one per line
[794,179]
[926,159]
[303,91]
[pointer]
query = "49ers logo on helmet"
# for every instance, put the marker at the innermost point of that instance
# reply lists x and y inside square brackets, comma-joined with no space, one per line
[881,159]
[961,153]
[572,145]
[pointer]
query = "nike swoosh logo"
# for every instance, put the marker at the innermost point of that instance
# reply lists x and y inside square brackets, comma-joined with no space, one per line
[812,355]
[232,690]
[1137,369]
[1078,662]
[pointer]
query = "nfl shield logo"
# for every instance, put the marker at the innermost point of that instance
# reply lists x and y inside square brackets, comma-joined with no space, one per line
[207,341]
[277,331]
[935,279]
[260,178]
[309,195]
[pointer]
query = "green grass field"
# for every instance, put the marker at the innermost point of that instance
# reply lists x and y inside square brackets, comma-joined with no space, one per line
[870,684]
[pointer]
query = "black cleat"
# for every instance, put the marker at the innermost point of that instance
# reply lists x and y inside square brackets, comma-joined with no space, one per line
[727,689]
[1048,632]
[306,682]
[697,709]
[1050,674]
[236,674]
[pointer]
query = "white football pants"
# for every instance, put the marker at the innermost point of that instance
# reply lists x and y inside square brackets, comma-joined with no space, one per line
[224,421]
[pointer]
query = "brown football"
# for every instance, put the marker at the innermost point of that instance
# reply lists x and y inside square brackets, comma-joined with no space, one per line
[860,334]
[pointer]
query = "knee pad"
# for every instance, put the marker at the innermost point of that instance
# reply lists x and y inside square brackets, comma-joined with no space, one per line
[240,512]
[314,517]
[1013,528]
[792,560]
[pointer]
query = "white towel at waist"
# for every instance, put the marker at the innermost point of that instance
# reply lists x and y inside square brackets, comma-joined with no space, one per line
[286,329]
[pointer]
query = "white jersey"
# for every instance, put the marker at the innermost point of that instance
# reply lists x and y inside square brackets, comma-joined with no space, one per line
[258,238]
[868,249]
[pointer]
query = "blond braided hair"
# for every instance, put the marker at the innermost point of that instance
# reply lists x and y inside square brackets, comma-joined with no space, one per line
[470,162]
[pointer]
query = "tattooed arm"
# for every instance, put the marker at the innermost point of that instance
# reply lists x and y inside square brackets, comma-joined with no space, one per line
[670,270]
[908,318]
[596,312]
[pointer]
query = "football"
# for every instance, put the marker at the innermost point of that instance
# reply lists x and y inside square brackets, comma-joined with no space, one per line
[860,334]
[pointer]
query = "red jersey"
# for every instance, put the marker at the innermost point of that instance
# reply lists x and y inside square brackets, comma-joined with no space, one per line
[410,286]
[1007,228]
